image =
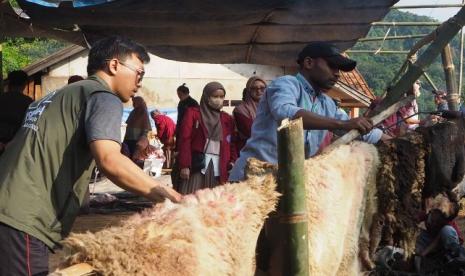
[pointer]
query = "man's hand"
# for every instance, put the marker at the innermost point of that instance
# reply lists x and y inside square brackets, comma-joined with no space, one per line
[362,124]
[124,173]
[161,192]
[185,173]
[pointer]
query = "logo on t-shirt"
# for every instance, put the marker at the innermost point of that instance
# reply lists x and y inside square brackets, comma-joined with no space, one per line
[35,110]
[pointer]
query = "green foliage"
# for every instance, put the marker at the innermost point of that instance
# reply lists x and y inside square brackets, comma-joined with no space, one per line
[20,52]
[380,69]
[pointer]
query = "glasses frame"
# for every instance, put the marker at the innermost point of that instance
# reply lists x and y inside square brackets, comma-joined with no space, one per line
[140,72]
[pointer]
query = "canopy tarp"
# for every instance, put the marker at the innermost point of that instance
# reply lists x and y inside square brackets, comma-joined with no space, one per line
[241,31]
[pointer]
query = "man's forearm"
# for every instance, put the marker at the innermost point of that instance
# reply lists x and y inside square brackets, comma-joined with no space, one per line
[315,121]
[124,173]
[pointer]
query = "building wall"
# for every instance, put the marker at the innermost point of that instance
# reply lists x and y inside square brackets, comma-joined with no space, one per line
[164,76]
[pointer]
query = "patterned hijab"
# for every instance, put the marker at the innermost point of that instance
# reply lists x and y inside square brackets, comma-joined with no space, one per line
[248,107]
[211,117]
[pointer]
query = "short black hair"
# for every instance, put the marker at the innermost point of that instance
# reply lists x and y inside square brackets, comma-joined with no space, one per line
[17,78]
[183,89]
[113,47]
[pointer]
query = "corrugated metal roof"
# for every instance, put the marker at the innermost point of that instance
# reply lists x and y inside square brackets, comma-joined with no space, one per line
[261,31]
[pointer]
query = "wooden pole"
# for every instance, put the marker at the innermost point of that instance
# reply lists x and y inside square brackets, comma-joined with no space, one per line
[292,206]
[451,82]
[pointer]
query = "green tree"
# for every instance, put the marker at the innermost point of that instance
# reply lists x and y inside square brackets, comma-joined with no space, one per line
[20,52]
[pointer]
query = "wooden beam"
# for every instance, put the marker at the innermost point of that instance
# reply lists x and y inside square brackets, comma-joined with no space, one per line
[292,206]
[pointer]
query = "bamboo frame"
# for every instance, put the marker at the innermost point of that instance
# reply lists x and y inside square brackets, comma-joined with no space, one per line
[442,35]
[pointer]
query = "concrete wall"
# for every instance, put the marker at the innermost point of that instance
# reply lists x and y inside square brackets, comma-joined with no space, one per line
[164,76]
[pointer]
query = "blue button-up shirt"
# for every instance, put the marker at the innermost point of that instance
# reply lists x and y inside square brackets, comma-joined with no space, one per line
[283,98]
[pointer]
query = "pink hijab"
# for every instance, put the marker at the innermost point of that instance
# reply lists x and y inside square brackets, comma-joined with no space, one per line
[248,107]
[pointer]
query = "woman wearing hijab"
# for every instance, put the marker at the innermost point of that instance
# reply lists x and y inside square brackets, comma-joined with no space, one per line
[205,149]
[244,114]
[138,124]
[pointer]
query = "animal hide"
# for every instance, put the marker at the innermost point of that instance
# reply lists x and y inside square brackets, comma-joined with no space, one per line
[212,232]
[419,165]
[340,190]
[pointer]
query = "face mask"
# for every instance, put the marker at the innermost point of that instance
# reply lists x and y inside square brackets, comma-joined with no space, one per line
[215,103]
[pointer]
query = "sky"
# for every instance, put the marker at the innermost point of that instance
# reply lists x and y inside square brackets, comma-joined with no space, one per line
[440,14]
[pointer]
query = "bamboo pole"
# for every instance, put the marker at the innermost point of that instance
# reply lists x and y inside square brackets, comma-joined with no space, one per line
[376,51]
[443,34]
[351,135]
[405,24]
[430,81]
[427,6]
[451,82]
[381,38]
[292,207]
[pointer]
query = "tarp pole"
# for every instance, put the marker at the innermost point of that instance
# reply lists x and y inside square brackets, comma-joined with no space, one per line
[292,207]
[451,82]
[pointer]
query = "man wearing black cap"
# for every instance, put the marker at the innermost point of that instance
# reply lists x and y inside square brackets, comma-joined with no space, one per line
[302,95]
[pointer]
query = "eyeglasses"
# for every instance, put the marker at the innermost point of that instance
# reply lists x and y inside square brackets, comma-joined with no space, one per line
[140,72]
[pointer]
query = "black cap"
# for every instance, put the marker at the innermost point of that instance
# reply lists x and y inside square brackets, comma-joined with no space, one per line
[330,53]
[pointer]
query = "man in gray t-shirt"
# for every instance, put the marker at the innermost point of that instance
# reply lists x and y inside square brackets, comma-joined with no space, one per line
[45,171]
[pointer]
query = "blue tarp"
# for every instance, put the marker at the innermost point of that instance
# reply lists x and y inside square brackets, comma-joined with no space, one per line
[76,4]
